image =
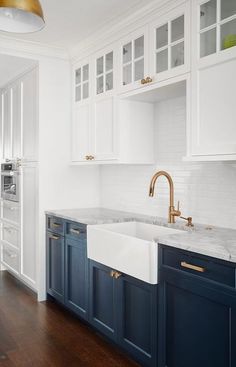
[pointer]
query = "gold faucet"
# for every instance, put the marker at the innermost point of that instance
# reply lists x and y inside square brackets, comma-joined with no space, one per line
[172,211]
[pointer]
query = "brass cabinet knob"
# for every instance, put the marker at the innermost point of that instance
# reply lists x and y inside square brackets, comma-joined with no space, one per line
[89,157]
[147,80]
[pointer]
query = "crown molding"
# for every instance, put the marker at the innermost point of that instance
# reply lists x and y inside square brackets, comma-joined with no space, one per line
[108,34]
[19,47]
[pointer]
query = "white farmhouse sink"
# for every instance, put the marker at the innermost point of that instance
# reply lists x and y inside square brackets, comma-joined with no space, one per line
[128,247]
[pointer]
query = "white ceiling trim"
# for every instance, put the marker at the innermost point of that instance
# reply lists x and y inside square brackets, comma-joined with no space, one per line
[108,34]
[33,49]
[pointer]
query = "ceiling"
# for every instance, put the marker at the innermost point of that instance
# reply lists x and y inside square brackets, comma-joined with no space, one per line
[70,21]
[11,67]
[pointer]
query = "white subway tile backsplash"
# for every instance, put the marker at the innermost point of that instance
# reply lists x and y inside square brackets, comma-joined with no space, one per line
[207,191]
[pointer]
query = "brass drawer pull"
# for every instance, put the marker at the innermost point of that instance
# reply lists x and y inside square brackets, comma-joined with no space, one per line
[117,275]
[56,225]
[112,273]
[75,231]
[192,267]
[53,237]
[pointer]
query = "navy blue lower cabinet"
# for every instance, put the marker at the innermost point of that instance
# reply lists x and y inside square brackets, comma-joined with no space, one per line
[76,276]
[197,316]
[138,319]
[103,300]
[55,266]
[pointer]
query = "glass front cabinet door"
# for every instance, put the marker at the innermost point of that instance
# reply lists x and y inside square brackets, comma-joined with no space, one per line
[216,26]
[133,60]
[104,73]
[170,44]
[81,127]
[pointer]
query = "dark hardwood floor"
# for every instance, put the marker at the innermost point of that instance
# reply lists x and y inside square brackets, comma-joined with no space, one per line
[36,334]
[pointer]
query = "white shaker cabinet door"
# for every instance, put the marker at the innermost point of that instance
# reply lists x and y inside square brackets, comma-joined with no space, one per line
[6,122]
[81,132]
[213,112]
[29,116]
[103,129]
[16,120]
[28,223]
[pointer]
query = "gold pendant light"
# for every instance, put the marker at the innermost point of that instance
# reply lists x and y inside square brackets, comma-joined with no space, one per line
[21,16]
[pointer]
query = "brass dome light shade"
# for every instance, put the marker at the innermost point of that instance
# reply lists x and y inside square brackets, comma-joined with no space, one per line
[21,16]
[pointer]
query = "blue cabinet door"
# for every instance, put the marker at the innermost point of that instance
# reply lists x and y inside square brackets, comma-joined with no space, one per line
[138,319]
[103,300]
[55,266]
[76,276]
[197,322]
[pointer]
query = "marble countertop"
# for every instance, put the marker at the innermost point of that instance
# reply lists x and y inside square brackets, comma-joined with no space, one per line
[202,239]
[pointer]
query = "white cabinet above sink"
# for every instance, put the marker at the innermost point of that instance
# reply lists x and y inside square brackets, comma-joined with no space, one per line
[129,247]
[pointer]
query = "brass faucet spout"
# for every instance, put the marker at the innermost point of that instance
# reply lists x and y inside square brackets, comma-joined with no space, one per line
[172,212]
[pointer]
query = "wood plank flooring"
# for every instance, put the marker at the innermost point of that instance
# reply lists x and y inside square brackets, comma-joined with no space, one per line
[36,334]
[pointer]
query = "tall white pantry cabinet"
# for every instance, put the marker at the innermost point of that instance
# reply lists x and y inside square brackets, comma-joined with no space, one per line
[18,141]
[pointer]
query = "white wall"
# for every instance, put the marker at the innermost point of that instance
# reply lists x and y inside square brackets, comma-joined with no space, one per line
[207,191]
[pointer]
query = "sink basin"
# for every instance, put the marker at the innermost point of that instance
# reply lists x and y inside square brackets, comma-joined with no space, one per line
[128,247]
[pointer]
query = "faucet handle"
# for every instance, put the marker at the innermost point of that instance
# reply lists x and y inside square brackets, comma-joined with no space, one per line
[178,212]
[189,221]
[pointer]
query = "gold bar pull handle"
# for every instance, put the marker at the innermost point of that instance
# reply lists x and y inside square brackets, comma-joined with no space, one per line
[75,231]
[53,237]
[56,225]
[112,273]
[199,269]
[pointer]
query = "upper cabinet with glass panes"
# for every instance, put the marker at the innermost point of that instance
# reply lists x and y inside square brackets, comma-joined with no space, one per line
[104,73]
[82,84]
[170,47]
[134,59]
[217,26]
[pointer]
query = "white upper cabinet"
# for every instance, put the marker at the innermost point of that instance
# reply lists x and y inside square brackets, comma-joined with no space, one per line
[212,133]
[93,133]
[16,120]
[6,124]
[170,44]
[133,59]
[19,118]
[216,23]
[29,106]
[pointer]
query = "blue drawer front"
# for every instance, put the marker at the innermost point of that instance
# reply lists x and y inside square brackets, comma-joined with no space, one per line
[206,267]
